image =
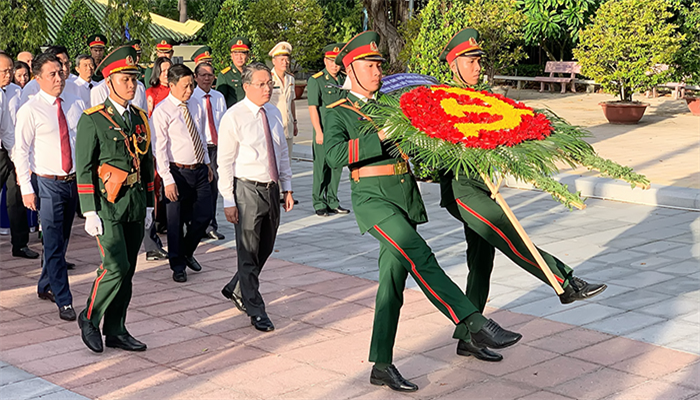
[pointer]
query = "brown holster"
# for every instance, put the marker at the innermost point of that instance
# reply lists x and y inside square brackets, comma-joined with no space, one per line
[113,178]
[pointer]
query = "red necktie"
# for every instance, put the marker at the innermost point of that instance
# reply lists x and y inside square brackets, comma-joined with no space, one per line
[210,119]
[66,157]
[271,157]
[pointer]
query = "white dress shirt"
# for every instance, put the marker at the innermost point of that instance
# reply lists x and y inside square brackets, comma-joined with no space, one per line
[99,94]
[282,98]
[38,139]
[218,108]
[243,148]
[13,94]
[171,140]
[7,128]
[83,88]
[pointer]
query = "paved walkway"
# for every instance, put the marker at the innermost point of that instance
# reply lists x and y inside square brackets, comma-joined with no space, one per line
[638,340]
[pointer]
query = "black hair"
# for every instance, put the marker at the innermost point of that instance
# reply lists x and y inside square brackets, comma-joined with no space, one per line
[177,72]
[56,50]
[42,59]
[21,65]
[205,65]
[250,69]
[157,69]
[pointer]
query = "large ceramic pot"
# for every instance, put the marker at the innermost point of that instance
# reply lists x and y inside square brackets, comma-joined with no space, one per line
[693,104]
[624,113]
[299,90]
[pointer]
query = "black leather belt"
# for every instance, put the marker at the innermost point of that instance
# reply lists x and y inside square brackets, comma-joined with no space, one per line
[67,178]
[185,166]
[256,183]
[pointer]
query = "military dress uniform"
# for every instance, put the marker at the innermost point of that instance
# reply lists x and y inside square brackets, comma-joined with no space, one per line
[229,82]
[105,138]
[323,90]
[202,54]
[97,40]
[163,45]
[136,44]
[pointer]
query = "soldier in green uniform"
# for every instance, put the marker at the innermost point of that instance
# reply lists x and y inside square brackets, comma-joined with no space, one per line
[114,167]
[323,89]
[164,48]
[136,44]
[229,80]
[202,54]
[98,45]
[486,227]
[388,205]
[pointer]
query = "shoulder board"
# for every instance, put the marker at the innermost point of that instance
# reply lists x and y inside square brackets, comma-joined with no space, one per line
[138,109]
[318,74]
[150,65]
[225,70]
[95,109]
[337,103]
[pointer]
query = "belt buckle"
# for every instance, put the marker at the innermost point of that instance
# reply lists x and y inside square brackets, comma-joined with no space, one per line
[131,179]
[400,168]
[70,178]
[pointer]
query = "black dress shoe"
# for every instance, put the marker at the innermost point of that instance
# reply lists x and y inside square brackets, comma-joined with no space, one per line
[70,265]
[156,255]
[237,300]
[262,323]
[180,276]
[339,210]
[91,336]
[47,296]
[579,289]
[215,235]
[124,342]
[391,377]
[493,336]
[25,252]
[482,353]
[67,313]
[193,264]
[322,213]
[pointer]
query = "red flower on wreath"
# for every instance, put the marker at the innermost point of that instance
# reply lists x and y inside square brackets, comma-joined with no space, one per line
[476,119]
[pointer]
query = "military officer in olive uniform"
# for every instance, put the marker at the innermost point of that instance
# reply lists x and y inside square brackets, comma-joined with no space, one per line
[164,48]
[136,44]
[114,166]
[98,45]
[229,80]
[388,205]
[486,227]
[202,54]
[323,89]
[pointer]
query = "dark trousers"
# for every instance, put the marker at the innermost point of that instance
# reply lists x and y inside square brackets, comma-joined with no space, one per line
[213,225]
[192,209]
[258,220]
[325,183]
[19,228]
[57,202]
[151,240]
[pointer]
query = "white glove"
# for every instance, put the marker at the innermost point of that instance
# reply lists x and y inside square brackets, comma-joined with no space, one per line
[149,218]
[93,223]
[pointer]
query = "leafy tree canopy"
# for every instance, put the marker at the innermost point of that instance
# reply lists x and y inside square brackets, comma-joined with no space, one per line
[133,17]
[77,26]
[23,25]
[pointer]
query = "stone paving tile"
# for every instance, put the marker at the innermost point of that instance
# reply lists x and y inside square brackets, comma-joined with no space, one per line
[654,390]
[544,395]
[633,300]
[598,384]
[620,324]
[585,314]
[552,372]
[10,374]
[570,340]
[28,389]
[492,389]
[656,363]
[666,332]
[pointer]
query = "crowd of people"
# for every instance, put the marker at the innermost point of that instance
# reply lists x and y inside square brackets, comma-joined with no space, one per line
[144,151]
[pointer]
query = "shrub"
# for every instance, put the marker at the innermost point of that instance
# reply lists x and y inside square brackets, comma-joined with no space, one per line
[77,26]
[229,23]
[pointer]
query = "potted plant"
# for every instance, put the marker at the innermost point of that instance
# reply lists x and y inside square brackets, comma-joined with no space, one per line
[622,50]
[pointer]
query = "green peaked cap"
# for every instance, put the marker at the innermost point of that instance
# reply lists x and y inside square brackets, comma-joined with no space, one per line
[239,43]
[97,40]
[202,53]
[121,60]
[136,44]
[463,43]
[364,46]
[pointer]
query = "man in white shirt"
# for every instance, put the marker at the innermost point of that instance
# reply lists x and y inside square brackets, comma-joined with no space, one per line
[32,88]
[85,67]
[19,228]
[182,161]
[100,93]
[253,165]
[214,105]
[45,146]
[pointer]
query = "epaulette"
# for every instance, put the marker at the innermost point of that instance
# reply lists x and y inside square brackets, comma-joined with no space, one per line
[225,70]
[150,65]
[337,103]
[95,109]
[318,74]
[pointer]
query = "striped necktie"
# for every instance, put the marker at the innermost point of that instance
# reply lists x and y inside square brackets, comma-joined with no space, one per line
[196,140]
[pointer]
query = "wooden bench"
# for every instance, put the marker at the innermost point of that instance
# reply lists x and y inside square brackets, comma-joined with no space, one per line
[559,67]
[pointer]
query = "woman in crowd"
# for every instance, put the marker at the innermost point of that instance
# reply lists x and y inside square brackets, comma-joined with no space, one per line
[159,83]
[22,75]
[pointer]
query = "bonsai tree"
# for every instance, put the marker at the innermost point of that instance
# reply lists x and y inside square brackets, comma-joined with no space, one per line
[626,44]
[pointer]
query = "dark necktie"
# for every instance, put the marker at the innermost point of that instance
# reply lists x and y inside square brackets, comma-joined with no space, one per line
[127,118]
[210,120]
[90,85]
[196,140]
[66,155]
[271,157]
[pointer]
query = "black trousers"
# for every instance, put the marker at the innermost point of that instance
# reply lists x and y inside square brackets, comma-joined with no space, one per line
[191,210]
[19,228]
[213,225]
[258,219]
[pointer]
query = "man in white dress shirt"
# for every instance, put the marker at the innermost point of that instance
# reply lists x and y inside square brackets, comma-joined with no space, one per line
[100,93]
[32,88]
[45,146]
[214,105]
[19,228]
[182,161]
[85,67]
[253,165]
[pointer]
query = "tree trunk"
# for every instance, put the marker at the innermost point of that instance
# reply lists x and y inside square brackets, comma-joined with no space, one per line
[380,22]
[182,7]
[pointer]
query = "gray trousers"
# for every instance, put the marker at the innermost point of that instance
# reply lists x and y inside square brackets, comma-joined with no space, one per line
[213,225]
[258,219]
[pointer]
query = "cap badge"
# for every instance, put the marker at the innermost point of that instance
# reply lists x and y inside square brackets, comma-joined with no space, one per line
[373,46]
[240,42]
[97,39]
[336,50]
[472,42]
[137,47]
[163,42]
[129,61]
[206,53]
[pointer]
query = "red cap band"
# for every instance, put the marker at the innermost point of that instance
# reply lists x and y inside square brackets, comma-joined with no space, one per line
[361,52]
[462,48]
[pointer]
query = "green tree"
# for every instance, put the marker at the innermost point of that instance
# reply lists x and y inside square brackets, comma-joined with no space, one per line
[343,19]
[229,23]
[204,11]
[626,42]
[688,56]
[133,15]
[165,8]
[554,25]
[299,22]
[77,26]
[23,25]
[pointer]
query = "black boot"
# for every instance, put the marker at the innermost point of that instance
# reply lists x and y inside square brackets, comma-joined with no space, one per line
[391,377]
[579,289]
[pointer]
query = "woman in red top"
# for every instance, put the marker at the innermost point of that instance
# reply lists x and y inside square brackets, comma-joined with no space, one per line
[159,89]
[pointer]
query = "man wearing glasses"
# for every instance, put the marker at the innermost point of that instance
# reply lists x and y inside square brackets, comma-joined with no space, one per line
[253,165]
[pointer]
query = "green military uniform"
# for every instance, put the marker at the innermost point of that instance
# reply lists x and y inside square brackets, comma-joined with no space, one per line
[97,40]
[389,207]
[136,44]
[162,45]
[104,137]
[229,80]
[486,227]
[322,90]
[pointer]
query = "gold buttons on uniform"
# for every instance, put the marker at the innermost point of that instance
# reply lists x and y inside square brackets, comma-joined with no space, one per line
[402,180]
